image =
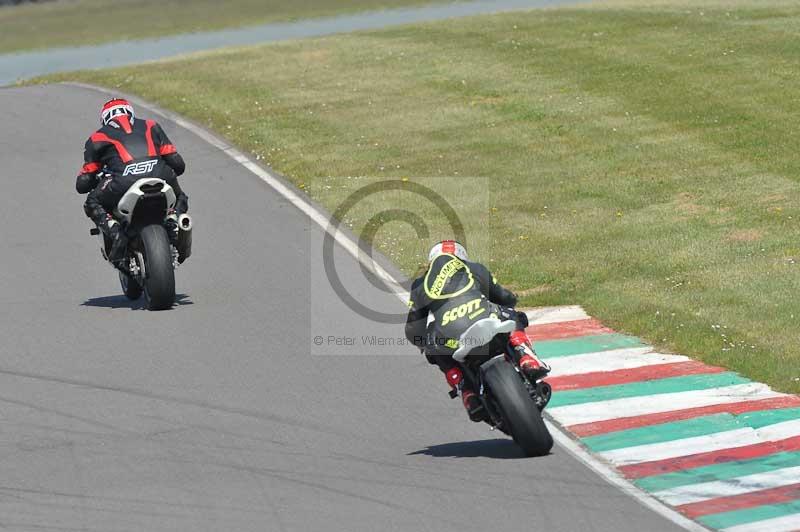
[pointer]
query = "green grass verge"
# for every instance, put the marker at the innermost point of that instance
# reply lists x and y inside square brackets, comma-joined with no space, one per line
[640,161]
[80,22]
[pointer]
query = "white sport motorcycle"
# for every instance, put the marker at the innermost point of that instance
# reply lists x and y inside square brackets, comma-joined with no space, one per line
[150,257]
[513,402]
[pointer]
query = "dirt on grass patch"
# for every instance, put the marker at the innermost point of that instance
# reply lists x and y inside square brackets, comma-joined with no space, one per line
[745,235]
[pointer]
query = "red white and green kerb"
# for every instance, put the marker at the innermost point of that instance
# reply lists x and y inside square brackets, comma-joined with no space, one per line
[717,447]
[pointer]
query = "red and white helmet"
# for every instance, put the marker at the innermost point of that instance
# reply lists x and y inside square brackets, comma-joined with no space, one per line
[119,109]
[449,247]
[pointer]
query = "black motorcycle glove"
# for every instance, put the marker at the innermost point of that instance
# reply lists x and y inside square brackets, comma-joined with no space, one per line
[85,183]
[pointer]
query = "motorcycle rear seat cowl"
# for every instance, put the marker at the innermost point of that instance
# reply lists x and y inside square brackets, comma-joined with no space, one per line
[481,333]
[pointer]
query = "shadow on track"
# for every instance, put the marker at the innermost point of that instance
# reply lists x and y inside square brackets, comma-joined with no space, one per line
[120,301]
[497,448]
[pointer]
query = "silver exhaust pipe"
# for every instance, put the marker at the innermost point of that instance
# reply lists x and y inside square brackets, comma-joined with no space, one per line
[185,222]
[184,237]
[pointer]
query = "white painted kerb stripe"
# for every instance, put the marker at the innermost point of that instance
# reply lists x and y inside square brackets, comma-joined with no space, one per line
[787,523]
[728,488]
[728,439]
[628,358]
[654,404]
[611,476]
[545,315]
[683,447]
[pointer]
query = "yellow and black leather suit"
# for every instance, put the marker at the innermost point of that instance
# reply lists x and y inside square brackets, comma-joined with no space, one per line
[458,293]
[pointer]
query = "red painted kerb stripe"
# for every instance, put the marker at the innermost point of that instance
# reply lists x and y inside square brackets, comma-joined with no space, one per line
[740,502]
[624,376]
[612,425]
[591,326]
[566,329]
[660,467]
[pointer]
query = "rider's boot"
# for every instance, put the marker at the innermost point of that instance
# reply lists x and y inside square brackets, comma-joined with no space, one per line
[472,404]
[529,363]
[171,224]
[181,207]
[112,229]
[118,244]
[182,204]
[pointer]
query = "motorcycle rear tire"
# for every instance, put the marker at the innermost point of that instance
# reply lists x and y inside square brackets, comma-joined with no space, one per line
[518,409]
[159,284]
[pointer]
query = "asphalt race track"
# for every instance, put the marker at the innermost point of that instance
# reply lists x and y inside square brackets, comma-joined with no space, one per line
[221,414]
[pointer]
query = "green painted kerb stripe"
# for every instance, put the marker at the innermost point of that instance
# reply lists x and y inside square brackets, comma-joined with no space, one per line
[646,388]
[585,344]
[750,515]
[690,428]
[661,433]
[711,473]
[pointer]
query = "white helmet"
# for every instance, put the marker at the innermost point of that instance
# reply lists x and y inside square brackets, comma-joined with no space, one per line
[450,247]
[117,108]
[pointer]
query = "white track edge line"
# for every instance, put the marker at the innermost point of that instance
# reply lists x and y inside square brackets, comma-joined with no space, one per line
[603,470]
[618,481]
